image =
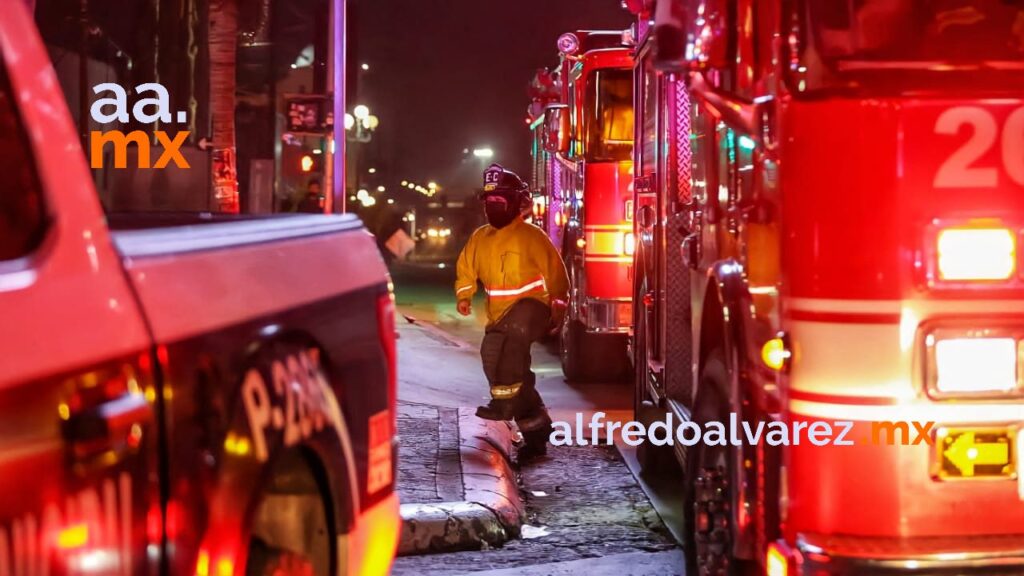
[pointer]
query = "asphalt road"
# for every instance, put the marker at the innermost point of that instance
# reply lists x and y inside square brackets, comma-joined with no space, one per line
[587,514]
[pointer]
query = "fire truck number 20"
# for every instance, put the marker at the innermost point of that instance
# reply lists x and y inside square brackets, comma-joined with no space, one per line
[298,404]
[957,171]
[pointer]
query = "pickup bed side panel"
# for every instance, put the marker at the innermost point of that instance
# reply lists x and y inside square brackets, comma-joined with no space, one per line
[223,299]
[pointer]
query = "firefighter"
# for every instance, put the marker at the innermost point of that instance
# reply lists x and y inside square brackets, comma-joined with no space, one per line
[526,286]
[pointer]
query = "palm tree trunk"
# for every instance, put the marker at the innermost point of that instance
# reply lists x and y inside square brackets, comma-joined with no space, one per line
[223,52]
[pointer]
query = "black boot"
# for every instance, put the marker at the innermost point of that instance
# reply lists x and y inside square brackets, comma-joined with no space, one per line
[535,445]
[498,410]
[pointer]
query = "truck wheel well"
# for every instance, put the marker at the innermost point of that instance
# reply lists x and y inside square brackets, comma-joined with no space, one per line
[293,512]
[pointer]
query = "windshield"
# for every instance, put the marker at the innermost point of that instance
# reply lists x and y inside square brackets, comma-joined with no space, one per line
[609,123]
[853,34]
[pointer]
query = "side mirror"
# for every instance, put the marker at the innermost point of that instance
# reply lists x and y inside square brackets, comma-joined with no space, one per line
[556,129]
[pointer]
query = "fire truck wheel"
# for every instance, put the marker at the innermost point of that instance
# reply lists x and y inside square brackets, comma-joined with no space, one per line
[291,533]
[709,530]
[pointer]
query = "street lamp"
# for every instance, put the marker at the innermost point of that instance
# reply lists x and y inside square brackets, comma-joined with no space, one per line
[362,123]
[483,153]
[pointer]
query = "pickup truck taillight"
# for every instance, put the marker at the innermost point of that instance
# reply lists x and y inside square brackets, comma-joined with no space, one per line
[386,328]
[382,425]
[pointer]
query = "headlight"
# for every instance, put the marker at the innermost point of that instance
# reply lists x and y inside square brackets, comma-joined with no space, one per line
[974,362]
[967,254]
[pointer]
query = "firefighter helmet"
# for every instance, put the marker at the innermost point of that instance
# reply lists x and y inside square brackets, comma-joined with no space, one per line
[498,180]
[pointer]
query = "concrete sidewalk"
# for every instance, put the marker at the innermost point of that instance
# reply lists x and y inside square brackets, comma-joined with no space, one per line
[455,479]
[458,488]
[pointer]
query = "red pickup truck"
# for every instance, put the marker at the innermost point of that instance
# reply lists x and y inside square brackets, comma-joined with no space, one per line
[181,395]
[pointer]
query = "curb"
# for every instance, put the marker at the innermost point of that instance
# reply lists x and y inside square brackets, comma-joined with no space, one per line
[492,510]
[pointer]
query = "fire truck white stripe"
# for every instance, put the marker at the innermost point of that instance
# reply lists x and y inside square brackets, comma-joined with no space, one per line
[517,291]
[961,413]
[857,360]
[920,307]
[845,306]
[1020,453]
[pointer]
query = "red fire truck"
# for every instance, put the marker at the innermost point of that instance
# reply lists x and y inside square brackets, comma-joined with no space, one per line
[582,119]
[830,202]
[181,394]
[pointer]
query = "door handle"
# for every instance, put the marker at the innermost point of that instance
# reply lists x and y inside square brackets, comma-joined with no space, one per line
[113,426]
[689,250]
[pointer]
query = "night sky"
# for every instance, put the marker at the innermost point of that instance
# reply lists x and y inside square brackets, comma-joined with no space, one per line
[446,75]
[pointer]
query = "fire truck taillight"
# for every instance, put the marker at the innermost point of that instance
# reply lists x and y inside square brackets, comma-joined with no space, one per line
[780,560]
[628,243]
[974,254]
[979,362]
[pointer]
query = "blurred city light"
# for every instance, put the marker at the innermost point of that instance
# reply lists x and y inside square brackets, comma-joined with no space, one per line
[350,121]
[483,153]
[372,170]
[365,67]
[361,112]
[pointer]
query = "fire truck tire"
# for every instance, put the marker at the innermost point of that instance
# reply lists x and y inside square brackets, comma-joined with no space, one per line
[708,516]
[588,357]
[291,534]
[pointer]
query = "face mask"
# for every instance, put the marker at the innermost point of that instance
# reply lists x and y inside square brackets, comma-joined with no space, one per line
[500,214]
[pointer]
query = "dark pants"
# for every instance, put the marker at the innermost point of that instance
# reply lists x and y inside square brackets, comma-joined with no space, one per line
[505,352]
